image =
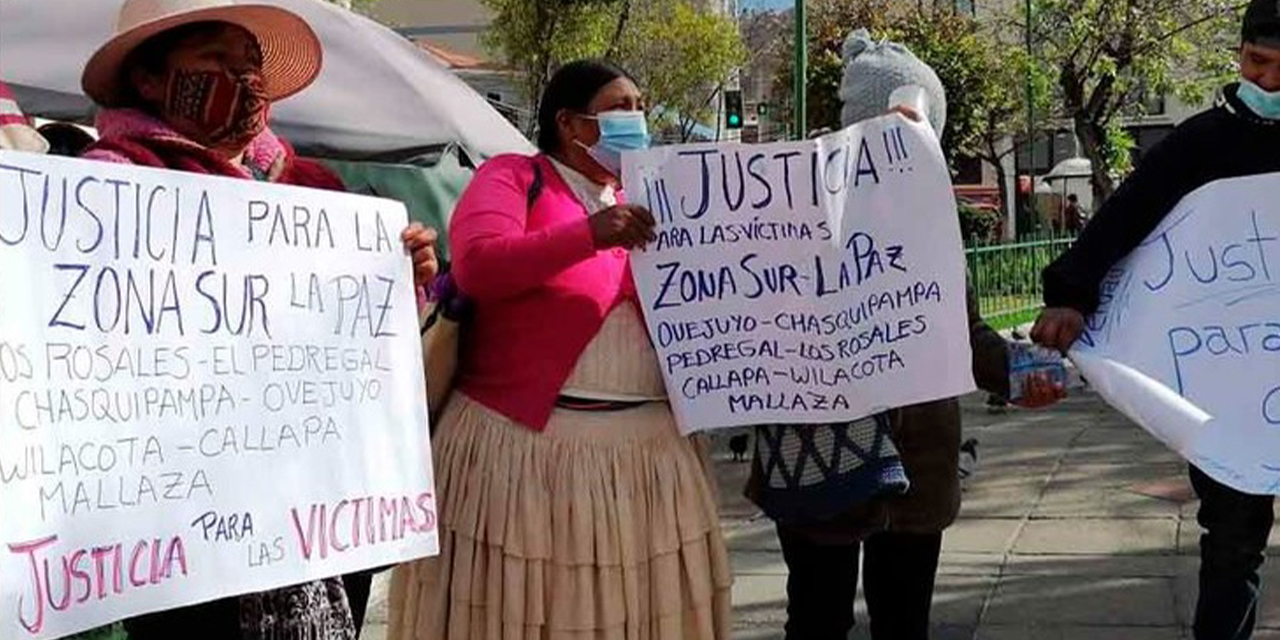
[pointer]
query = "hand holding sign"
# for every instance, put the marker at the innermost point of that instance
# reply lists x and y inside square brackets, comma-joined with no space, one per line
[420,242]
[1058,328]
[627,226]
[1187,339]
[817,281]
[207,387]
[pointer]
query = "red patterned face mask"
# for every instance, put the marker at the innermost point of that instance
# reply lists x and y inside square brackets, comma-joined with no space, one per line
[228,111]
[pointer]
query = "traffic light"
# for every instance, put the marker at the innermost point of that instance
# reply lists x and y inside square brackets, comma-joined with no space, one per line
[733,109]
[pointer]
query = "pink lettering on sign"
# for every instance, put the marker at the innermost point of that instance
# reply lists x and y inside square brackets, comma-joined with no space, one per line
[349,524]
[95,573]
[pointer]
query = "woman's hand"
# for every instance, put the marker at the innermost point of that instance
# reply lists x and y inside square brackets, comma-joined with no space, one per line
[907,112]
[1041,392]
[420,242]
[627,226]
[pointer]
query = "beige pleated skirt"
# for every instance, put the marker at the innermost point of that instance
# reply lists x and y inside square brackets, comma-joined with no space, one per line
[602,527]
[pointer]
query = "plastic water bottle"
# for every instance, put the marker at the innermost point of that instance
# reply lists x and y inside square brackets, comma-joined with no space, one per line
[1028,360]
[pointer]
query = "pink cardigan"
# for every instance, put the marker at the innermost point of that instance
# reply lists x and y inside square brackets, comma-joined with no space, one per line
[541,291]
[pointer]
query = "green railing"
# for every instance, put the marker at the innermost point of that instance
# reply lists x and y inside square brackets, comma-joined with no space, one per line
[112,632]
[1006,277]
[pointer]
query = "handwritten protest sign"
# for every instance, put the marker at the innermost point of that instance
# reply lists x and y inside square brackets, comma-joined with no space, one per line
[207,387]
[1187,340]
[803,282]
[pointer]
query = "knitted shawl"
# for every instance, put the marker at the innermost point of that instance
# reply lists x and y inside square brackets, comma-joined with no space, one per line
[129,136]
[810,474]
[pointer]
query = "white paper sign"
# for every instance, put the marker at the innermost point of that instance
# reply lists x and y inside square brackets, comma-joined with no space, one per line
[207,387]
[803,282]
[1187,340]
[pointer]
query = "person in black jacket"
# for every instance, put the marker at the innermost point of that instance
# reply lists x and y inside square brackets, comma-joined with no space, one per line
[1239,137]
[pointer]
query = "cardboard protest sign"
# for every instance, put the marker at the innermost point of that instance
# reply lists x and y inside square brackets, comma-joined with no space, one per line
[803,282]
[1187,340]
[207,387]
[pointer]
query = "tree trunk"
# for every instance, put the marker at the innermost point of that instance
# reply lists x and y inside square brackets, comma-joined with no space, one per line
[1092,138]
[1002,178]
[624,16]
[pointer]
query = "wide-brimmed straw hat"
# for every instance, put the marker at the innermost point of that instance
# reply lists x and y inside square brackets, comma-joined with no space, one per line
[291,52]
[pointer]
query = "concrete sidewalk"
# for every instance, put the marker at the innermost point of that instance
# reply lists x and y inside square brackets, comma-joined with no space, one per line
[1076,525]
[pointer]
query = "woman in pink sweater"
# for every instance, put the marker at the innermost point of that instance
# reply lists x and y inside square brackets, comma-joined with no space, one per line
[570,505]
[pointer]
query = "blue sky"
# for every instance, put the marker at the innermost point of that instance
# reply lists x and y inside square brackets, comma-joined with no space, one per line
[765,4]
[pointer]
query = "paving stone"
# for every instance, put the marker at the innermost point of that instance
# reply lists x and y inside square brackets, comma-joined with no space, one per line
[1099,537]
[1005,492]
[758,534]
[970,564]
[974,535]
[1064,565]
[1106,491]
[759,632]
[1083,600]
[759,563]
[753,594]
[936,632]
[1124,446]
[957,601]
[1005,632]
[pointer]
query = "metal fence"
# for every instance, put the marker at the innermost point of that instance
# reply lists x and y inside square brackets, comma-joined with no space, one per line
[112,632]
[1006,277]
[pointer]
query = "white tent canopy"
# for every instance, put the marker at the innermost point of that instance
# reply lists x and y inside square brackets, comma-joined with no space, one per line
[378,94]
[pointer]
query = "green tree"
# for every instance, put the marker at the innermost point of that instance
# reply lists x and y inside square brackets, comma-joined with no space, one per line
[985,81]
[1109,56]
[680,54]
[1001,110]
[981,102]
[535,37]
[829,23]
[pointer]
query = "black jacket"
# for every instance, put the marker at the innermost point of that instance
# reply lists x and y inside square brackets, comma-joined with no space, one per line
[1228,141]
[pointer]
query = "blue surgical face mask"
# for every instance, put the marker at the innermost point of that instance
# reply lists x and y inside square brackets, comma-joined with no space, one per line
[619,131]
[1266,104]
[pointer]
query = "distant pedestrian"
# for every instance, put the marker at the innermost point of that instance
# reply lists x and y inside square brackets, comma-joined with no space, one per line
[1072,216]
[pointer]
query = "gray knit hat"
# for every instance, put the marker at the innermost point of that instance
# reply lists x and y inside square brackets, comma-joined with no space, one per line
[873,70]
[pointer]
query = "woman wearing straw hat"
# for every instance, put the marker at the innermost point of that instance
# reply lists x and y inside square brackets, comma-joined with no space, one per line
[186,85]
